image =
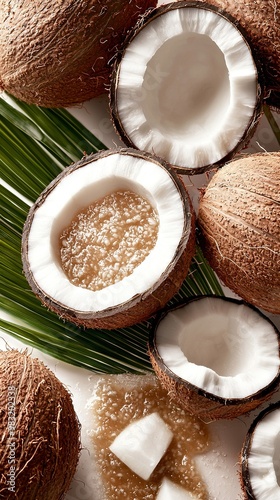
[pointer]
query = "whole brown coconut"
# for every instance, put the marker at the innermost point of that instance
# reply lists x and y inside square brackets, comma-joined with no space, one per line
[240,232]
[261,21]
[57,53]
[40,433]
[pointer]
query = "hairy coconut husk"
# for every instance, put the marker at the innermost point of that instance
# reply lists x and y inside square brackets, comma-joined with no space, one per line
[239,228]
[141,306]
[40,433]
[261,20]
[57,54]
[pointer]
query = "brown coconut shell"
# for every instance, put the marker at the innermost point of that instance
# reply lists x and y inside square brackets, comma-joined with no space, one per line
[261,21]
[246,450]
[140,307]
[205,405]
[40,433]
[58,54]
[238,219]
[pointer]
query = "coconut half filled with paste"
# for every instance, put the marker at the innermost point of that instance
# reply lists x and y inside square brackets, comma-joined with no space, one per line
[88,208]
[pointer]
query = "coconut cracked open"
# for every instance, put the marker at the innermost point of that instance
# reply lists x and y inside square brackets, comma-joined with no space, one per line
[109,242]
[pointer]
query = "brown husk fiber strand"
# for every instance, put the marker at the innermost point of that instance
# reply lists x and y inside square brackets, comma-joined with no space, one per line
[246,450]
[57,54]
[238,219]
[205,405]
[261,21]
[47,432]
[140,307]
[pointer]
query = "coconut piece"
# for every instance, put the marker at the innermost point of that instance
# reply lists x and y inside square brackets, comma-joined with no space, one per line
[142,444]
[40,433]
[172,491]
[117,401]
[217,357]
[261,22]
[58,53]
[151,284]
[186,87]
[260,456]
[240,233]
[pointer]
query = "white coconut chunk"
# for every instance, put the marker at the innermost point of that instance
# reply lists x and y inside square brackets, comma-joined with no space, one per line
[78,190]
[172,491]
[264,457]
[187,87]
[142,444]
[223,347]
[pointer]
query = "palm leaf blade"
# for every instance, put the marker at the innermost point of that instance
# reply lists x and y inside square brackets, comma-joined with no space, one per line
[29,164]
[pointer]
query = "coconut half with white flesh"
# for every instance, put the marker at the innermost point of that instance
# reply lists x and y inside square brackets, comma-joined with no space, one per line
[260,457]
[218,357]
[187,87]
[143,289]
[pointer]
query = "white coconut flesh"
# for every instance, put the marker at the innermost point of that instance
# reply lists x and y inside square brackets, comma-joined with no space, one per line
[142,444]
[79,189]
[172,491]
[264,457]
[223,347]
[187,87]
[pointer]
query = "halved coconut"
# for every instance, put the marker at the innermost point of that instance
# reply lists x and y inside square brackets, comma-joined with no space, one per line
[261,456]
[187,87]
[218,357]
[153,282]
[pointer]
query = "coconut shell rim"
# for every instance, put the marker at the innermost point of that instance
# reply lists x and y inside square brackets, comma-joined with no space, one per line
[246,448]
[269,389]
[110,311]
[260,82]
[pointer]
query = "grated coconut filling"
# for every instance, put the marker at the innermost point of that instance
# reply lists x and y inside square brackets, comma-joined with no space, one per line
[224,348]
[264,458]
[75,192]
[187,87]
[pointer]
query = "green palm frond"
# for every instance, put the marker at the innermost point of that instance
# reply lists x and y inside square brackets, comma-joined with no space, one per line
[35,145]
